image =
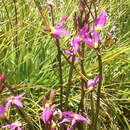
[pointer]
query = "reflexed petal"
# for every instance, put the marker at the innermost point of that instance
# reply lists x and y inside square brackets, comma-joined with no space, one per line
[65,120]
[76,58]
[68,113]
[59,31]
[18,103]
[46,115]
[2,111]
[81,118]
[6,126]
[63,20]
[75,43]
[96,39]
[72,124]
[55,36]
[83,31]
[20,96]
[8,105]
[68,51]
[88,41]
[101,20]
[90,83]
[7,99]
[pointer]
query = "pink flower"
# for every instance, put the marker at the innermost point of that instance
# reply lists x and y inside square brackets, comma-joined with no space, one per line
[2,112]
[73,118]
[46,114]
[101,20]
[92,39]
[14,100]
[13,126]
[93,82]
[47,111]
[75,43]
[56,31]
[77,40]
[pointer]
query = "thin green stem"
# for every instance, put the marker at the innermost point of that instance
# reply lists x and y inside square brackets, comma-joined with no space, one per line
[60,64]
[69,83]
[99,88]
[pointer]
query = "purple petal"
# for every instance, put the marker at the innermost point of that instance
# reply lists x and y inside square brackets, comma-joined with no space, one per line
[2,111]
[90,83]
[63,20]
[20,96]
[65,120]
[6,126]
[7,99]
[101,20]
[58,31]
[96,39]
[76,58]
[84,30]
[68,114]
[18,103]
[72,124]
[81,118]
[8,105]
[68,52]
[55,36]
[46,115]
[75,43]
[70,59]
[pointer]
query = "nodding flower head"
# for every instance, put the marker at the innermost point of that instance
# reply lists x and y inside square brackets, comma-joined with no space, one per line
[73,118]
[101,20]
[15,125]
[47,111]
[57,31]
[14,100]
[92,39]
[93,82]
[46,114]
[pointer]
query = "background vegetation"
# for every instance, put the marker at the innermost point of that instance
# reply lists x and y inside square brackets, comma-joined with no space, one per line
[29,58]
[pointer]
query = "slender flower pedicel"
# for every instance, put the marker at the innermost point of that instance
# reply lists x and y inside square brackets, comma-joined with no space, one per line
[101,20]
[15,125]
[14,100]
[73,118]
[57,31]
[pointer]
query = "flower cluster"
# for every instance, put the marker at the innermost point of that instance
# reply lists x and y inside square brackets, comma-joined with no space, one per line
[86,35]
[12,100]
[50,113]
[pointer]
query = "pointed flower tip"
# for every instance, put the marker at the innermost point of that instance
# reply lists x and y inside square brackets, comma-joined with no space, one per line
[96,45]
[52,94]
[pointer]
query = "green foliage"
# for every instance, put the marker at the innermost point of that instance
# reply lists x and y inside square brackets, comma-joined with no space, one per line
[35,70]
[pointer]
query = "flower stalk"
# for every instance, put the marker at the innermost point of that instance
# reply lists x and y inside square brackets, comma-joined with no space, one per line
[60,64]
[98,89]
